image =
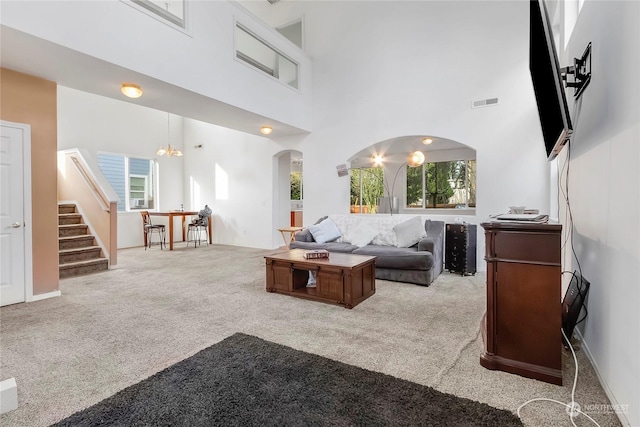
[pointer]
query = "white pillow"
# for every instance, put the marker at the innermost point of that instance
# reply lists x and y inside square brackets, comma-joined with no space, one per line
[409,232]
[361,234]
[325,231]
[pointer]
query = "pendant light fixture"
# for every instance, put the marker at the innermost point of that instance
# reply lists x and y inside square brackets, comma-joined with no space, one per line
[168,149]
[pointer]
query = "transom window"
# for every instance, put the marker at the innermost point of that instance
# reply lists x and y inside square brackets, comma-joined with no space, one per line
[170,10]
[442,185]
[133,179]
[259,54]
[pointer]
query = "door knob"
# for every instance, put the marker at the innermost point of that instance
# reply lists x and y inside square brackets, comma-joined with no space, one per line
[16,225]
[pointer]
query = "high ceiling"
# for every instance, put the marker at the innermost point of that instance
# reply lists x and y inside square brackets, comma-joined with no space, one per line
[31,55]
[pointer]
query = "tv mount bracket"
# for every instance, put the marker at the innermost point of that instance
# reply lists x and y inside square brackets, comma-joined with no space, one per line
[581,71]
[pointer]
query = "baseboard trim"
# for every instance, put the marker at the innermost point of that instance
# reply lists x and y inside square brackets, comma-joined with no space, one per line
[8,395]
[585,347]
[48,295]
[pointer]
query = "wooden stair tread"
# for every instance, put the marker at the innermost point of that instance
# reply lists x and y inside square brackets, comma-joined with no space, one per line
[78,242]
[95,261]
[75,250]
[79,237]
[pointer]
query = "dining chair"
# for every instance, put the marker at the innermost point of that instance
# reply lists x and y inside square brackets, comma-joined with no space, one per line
[150,228]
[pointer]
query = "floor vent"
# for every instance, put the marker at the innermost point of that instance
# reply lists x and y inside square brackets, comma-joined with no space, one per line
[484,103]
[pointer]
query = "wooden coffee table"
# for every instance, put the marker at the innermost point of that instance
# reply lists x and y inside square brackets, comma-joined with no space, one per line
[343,279]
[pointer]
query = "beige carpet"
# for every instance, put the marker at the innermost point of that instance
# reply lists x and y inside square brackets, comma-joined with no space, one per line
[110,330]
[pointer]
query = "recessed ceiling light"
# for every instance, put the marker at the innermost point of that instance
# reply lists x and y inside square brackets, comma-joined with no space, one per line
[427,140]
[266,130]
[131,90]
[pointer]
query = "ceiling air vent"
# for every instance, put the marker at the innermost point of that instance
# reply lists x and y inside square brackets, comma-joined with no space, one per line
[484,103]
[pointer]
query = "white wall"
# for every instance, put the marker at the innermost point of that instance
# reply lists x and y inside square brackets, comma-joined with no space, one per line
[383,71]
[604,194]
[234,174]
[415,69]
[200,60]
[96,123]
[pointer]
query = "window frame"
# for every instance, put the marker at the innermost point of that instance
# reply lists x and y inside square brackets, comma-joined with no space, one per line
[144,191]
[157,12]
[152,188]
[458,209]
[363,208]
[256,65]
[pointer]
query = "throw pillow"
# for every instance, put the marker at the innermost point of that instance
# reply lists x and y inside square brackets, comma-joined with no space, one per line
[409,232]
[325,231]
[361,234]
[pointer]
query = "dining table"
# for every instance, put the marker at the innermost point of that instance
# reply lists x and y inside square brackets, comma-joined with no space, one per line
[182,214]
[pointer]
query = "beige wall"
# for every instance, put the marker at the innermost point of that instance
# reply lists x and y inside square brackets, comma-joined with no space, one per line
[31,100]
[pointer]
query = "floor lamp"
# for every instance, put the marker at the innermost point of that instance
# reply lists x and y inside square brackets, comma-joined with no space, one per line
[415,159]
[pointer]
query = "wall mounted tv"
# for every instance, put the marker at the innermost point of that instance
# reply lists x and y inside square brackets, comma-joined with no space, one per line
[547,81]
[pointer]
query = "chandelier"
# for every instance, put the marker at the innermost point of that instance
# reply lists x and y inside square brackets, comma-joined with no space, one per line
[169,150]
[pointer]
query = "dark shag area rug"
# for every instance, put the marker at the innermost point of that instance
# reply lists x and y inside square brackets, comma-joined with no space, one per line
[247,381]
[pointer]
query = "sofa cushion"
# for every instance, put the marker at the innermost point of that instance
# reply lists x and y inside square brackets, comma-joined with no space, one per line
[325,231]
[361,234]
[409,232]
[297,244]
[330,246]
[382,223]
[402,258]
[342,247]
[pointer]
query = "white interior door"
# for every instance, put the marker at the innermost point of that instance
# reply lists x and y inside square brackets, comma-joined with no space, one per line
[12,219]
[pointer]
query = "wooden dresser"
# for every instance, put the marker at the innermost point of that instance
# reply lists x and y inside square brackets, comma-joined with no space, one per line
[521,328]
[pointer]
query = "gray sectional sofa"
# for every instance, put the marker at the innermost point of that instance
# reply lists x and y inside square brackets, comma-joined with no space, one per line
[419,263]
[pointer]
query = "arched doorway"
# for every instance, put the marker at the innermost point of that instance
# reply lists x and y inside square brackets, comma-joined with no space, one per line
[288,203]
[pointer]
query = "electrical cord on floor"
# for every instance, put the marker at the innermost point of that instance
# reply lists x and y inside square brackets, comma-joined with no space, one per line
[572,408]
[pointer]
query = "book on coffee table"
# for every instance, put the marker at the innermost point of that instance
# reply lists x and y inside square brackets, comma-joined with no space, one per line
[316,253]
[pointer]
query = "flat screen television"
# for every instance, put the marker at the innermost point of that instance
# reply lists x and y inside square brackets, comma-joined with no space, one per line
[547,81]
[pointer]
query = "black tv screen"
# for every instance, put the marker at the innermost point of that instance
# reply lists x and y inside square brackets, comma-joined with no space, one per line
[547,81]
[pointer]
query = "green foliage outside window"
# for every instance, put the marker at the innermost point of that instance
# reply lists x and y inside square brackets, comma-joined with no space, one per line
[370,180]
[414,187]
[296,185]
[446,185]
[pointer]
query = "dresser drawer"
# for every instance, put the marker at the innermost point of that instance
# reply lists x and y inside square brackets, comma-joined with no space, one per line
[541,247]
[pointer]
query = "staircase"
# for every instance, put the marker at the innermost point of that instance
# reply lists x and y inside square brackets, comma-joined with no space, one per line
[78,253]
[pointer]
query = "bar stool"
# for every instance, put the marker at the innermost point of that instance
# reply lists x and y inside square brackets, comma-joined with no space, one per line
[195,230]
